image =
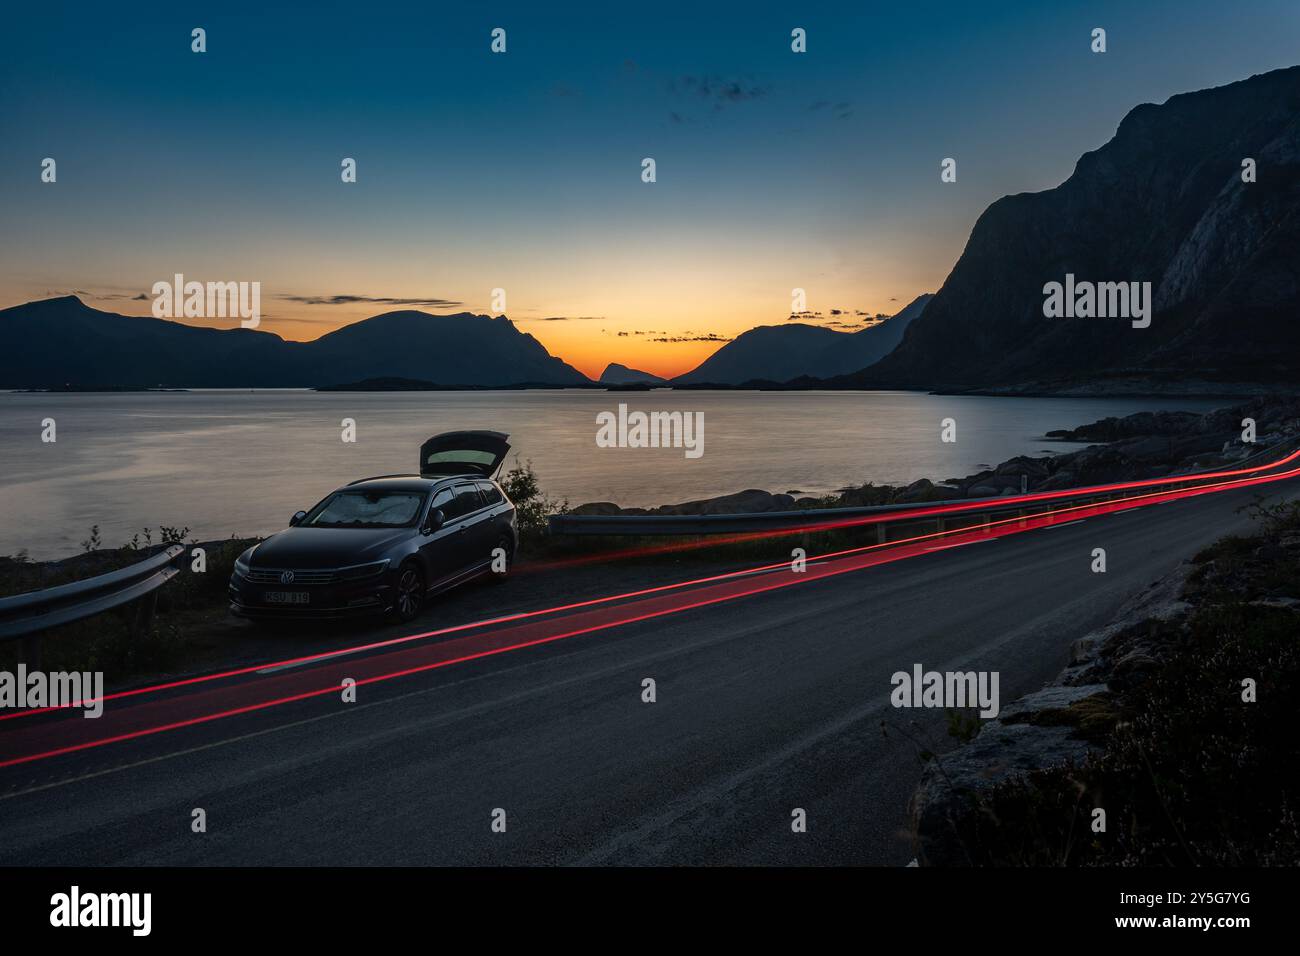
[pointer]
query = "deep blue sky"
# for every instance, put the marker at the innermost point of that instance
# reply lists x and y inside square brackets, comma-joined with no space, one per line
[521,170]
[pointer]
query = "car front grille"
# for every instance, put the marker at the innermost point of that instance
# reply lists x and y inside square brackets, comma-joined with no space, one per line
[273,576]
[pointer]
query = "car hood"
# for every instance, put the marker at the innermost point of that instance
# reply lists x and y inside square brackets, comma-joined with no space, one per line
[326,547]
[464,453]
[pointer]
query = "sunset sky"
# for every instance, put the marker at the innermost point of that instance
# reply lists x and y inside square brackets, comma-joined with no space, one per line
[775,170]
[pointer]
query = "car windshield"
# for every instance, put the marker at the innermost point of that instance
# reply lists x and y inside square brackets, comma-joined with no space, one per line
[366,509]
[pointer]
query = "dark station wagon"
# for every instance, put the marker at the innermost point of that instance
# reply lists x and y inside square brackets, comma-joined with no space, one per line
[386,544]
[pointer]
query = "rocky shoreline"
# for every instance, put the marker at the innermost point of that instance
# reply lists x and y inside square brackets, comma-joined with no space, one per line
[1137,386]
[1133,448]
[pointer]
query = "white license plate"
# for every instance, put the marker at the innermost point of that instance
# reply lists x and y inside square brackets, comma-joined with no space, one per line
[286,597]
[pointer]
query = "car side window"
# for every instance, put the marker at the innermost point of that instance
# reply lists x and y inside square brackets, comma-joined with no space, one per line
[491,493]
[468,494]
[441,500]
[466,500]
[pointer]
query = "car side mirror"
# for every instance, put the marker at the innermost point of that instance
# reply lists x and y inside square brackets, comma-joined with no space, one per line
[297,518]
[435,521]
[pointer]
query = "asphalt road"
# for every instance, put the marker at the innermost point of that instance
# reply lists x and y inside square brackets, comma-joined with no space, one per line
[764,703]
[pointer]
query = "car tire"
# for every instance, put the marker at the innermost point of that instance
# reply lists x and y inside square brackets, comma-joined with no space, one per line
[409,599]
[508,546]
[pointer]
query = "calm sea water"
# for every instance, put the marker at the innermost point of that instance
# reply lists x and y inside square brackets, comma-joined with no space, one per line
[230,462]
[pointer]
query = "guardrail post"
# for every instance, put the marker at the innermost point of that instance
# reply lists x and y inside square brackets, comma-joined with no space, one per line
[985,520]
[142,614]
[882,533]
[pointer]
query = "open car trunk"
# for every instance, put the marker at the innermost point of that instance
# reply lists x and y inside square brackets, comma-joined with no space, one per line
[464,453]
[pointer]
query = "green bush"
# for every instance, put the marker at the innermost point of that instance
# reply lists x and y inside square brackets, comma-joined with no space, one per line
[532,507]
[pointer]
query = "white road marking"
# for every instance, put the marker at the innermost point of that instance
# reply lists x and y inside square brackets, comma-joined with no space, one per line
[329,655]
[960,544]
[1067,524]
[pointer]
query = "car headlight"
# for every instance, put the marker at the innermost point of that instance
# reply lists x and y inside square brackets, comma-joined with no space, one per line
[357,572]
[241,563]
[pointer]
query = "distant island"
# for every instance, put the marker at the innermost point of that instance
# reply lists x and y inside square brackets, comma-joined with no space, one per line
[616,374]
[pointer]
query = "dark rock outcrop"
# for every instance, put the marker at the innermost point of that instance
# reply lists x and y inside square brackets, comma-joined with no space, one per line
[750,501]
[1163,202]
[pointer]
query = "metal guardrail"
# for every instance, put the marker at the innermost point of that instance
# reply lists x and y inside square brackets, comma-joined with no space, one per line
[814,518]
[27,615]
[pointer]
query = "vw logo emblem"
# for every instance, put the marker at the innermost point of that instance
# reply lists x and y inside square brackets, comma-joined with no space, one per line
[286,577]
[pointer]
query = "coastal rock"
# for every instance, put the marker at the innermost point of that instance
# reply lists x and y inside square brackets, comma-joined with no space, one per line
[750,501]
[951,784]
[921,490]
[601,508]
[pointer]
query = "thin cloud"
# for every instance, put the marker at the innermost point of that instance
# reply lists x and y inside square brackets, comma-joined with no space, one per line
[715,92]
[100,296]
[721,90]
[841,110]
[565,318]
[371,299]
[710,337]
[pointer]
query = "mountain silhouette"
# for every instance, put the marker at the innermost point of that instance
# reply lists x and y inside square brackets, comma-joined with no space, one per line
[778,353]
[1163,202]
[53,342]
[616,374]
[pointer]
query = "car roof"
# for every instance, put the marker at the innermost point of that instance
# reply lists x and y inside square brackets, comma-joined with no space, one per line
[407,482]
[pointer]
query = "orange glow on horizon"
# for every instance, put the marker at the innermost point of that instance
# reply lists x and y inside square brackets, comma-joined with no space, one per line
[665,334]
